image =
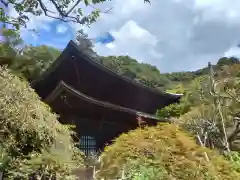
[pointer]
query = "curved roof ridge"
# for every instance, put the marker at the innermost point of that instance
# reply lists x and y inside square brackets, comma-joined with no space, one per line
[94,62]
[63,86]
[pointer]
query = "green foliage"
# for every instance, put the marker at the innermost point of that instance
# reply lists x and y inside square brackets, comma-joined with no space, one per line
[85,44]
[31,136]
[196,92]
[25,61]
[185,77]
[166,149]
[12,41]
[35,60]
[65,10]
[193,93]
[235,158]
[180,76]
[145,170]
[176,82]
[144,73]
[173,110]
[4,158]
[215,113]
[227,61]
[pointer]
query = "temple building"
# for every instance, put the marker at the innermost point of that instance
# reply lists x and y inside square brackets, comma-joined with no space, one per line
[99,102]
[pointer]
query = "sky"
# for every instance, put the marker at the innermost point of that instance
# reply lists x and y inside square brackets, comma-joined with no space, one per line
[174,35]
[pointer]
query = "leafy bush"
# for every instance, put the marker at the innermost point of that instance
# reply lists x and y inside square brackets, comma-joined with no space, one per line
[235,158]
[145,170]
[32,139]
[163,152]
[172,110]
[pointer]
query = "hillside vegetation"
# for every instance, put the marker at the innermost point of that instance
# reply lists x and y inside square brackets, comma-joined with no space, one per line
[151,76]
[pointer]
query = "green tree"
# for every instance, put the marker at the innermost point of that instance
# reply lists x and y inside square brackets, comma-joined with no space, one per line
[65,11]
[141,72]
[215,119]
[12,43]
[227,61]
[85,44]
[25,61]
[180,76]
[193,94]
[37,60]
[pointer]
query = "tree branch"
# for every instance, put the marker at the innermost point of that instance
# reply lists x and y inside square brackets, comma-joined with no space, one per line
[4,3]
[232,96]
[60,11]
[73,7]
[201,143]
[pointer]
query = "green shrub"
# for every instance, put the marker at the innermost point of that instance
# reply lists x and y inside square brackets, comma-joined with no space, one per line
[235,157]
[163,152]
[145,170]
[35,142]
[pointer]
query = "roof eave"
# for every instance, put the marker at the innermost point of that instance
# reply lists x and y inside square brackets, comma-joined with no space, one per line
[94,62]
[72,46]
[63,86]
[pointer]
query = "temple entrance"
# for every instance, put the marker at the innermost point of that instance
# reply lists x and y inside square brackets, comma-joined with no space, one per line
[88,145]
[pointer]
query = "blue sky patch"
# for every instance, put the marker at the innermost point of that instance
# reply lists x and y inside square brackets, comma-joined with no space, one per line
[58,33]
[105,38]
[55,33]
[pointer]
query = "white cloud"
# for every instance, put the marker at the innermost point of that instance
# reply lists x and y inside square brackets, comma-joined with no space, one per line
[130,39]
[174,35]
[131,32]
[45,26]
[233,52]
[129,7]
[221,10]
[204,3]
[61,28]
[110,45]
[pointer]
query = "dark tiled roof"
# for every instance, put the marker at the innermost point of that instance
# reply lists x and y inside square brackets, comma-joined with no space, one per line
[64,87]
[95,62]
